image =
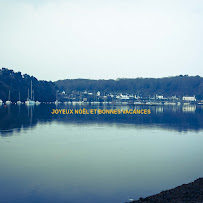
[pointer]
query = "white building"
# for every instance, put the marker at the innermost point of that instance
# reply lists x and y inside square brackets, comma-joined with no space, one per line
[124,96]
[98,93]
[159,96]
[186,98]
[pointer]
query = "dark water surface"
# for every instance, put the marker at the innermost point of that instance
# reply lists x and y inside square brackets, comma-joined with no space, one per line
[97,158]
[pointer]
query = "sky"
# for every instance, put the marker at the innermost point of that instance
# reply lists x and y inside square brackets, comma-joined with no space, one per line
[102,39]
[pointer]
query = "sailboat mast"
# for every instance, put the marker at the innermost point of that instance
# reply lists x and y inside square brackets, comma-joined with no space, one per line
[9,95]
[19,96]
[28,94]
[31,90]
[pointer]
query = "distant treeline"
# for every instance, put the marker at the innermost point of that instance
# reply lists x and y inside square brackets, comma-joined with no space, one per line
[46,91]
[168,86]
[16,82]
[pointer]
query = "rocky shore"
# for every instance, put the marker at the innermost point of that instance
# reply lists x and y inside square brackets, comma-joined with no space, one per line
[186,193]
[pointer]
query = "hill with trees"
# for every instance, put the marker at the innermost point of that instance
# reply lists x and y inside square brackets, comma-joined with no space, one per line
[168,86]
[16,82]
[46,91]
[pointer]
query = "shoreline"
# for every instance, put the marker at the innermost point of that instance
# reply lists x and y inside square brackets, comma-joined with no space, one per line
[191,192]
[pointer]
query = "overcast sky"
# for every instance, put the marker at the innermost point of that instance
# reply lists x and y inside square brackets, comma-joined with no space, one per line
[59,39]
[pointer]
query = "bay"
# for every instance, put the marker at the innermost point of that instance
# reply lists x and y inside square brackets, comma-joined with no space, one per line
[97,158]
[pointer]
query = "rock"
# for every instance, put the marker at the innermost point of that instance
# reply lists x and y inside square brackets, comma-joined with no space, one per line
[186,193]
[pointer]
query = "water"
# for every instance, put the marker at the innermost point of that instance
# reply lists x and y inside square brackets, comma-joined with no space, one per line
[97,158]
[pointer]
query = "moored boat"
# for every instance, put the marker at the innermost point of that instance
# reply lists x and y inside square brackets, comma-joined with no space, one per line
[37,103]
[8,102]
[30,101]
[19,102]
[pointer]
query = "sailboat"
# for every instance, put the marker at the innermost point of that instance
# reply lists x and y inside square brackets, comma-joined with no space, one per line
[19,102]
[30,100]
[56,102]
[1,102]
[37,102]
[8,102]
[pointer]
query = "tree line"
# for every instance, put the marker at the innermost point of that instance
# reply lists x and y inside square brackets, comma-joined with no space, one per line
[17,83]
[182,85]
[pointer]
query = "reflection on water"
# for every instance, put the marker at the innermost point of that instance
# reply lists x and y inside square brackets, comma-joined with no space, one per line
[180,118]
[97,158]
[189,108]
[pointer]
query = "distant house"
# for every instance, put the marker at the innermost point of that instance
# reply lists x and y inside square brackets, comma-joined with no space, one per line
[98,93]
[159,96]
[186,98]
[124,96]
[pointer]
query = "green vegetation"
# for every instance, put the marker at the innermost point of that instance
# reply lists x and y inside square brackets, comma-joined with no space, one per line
[46,91]
[16,82]
[169,86]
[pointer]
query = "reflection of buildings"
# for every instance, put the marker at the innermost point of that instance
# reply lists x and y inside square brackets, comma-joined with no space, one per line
[189,108]
[14,118]
[159,109]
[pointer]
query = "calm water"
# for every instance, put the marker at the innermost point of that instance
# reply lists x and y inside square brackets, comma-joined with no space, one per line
[97,158]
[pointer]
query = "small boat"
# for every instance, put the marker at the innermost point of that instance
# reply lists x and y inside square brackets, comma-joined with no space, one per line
[138,103]
[170,103]
[8,102]
[74,102]
[29,101]
[80,103]
[95,102]
[37,103]
[19,102]
[151,103]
